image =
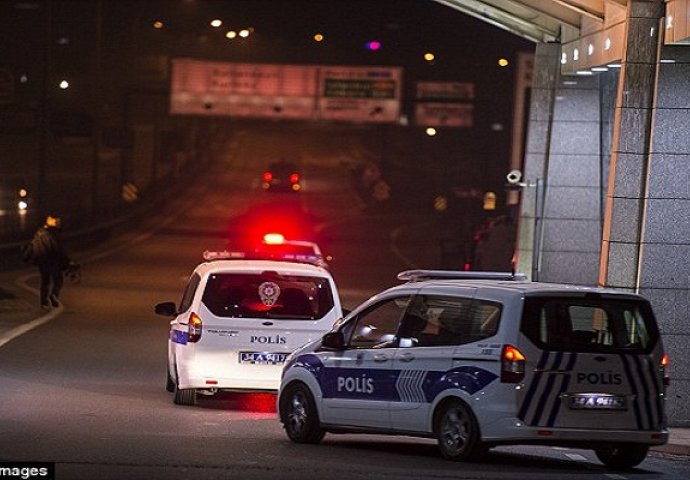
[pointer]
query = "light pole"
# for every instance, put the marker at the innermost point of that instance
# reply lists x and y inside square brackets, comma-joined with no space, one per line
[45,113]
[96,130]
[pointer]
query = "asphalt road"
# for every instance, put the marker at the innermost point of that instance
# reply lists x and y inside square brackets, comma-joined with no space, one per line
[86,390]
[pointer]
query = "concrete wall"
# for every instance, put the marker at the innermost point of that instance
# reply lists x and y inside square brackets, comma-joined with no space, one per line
[664,275]
[567,148]
[572,201]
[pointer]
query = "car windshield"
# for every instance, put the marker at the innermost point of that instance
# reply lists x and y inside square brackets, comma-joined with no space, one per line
[268,295]
[590,325]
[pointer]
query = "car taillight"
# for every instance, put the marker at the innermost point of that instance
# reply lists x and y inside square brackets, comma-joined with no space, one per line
[663,366]
[268,176]
[294,178]
[512,365]
[194,328]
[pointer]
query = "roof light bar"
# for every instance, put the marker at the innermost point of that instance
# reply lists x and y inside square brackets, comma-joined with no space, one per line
[420,275]
[279,257]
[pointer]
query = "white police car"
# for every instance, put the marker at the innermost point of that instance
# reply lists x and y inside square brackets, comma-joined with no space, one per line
[239,318]
[477,360]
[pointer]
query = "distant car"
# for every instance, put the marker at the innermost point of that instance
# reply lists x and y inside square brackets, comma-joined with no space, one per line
[282,175]
[239,318]
[480,359]
[14,198]
[275,245]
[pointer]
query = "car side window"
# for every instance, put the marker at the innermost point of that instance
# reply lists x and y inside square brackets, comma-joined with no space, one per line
[189,292]
[377,326]
[435,320]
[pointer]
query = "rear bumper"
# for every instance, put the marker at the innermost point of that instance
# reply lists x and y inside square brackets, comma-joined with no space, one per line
[572,437]
[232,384]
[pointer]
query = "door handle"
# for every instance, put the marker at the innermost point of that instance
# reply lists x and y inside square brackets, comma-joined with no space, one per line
[406,357]
[380,357]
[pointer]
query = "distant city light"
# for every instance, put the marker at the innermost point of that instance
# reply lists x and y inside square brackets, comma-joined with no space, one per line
[215,23]
[318,37]
[158,24]
[374,45]
[244,33]
[64,85]
[231,34]
[431,131]
[503,62]
[429,57]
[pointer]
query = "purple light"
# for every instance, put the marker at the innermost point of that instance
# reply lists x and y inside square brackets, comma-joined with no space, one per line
[374,45]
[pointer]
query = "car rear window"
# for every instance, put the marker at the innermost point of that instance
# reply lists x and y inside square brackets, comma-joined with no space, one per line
[268,295]
[590,325]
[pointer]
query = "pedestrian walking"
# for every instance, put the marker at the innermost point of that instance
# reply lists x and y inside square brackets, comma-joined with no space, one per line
[47,252]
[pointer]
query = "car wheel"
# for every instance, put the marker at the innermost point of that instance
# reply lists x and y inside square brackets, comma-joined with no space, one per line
[457,432]
[299,416]
[183,396]
[622,456]
[170,384]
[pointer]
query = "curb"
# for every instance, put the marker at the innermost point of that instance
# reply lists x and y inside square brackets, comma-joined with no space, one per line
[673,449]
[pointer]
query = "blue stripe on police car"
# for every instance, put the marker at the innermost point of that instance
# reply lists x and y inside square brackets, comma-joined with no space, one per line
[416,386]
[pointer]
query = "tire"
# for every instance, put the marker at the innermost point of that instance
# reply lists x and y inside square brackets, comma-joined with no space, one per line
[183,396]
[169,384]
[457,432]
[622,457]
[299,416]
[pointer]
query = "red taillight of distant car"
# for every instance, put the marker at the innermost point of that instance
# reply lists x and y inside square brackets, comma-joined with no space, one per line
[294,178]
[268,176]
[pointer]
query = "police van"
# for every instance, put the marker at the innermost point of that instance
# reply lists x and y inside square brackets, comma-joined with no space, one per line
[481,359]
[240,316]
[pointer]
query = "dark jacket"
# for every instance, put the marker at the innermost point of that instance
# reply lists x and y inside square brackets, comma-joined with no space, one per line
[46,249]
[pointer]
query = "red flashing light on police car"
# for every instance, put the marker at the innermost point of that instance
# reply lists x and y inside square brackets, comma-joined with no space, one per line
[512,365]
[274,239]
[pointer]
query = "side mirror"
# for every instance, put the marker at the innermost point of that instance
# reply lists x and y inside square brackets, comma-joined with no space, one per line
[167,309]
[333,341]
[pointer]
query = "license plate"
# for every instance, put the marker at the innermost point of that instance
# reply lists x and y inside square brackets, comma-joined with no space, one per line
[596,401]
[263,358]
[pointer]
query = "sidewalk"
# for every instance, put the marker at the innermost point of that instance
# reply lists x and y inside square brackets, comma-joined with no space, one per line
[678,442]
[19,311]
